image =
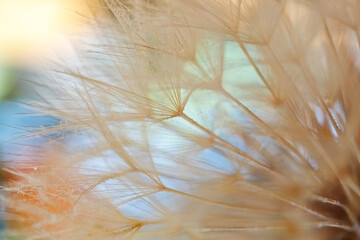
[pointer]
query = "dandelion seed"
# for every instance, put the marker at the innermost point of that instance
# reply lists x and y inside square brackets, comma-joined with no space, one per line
[202,119]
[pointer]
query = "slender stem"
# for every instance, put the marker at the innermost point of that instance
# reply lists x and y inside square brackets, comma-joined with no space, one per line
[333,202]
[256,68]
[284,199]
[230,205]
[264,125]
[230,146]
[242,228]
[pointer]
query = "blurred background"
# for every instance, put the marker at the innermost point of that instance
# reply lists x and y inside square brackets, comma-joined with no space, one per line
[31,32]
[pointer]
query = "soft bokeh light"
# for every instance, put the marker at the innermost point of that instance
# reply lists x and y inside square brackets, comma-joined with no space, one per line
[29,28]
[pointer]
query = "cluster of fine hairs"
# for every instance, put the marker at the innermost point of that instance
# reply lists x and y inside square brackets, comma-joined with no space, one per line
[200,119]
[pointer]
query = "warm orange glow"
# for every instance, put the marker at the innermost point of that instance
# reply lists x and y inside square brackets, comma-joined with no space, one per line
[55,197]
[30,27]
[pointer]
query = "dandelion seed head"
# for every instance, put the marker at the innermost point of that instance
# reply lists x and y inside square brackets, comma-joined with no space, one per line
[203,120]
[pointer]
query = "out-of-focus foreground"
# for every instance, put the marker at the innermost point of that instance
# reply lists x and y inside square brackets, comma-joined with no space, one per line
[32,33]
